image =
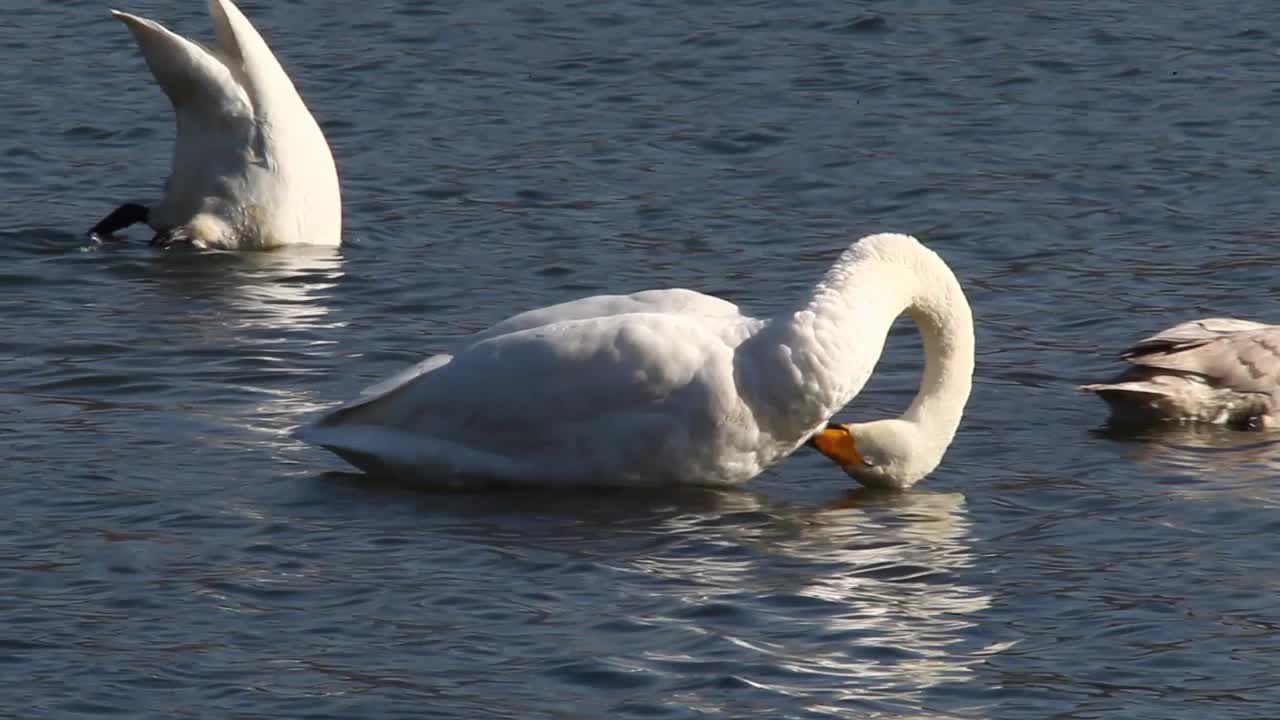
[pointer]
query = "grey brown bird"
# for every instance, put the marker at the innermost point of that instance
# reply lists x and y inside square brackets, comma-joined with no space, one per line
[1217,370]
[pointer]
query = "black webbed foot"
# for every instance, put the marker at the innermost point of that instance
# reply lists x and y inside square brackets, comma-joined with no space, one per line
[119,219]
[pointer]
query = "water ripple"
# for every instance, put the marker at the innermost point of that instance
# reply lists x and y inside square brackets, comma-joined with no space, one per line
[1092,171]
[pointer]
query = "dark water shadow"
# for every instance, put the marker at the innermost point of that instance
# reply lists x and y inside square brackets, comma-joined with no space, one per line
[1204,433]
[498,497]
[42,240]
[749,505]
[1202,453]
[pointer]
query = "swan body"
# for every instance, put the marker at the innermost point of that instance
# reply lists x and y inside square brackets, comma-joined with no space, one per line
[251,168]
[1217,370]
[667,386]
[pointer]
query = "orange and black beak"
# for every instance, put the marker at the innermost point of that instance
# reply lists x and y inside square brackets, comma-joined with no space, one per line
[836,442]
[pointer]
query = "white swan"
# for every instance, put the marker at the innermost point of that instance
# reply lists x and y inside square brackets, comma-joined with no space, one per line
[251,168]
[1217,370]
[672,386]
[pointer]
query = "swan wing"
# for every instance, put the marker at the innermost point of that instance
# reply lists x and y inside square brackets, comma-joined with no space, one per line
[672,301]
[1191,333]
[1237,354]
[378,389]
[212,152]
[676,301]
[640,397]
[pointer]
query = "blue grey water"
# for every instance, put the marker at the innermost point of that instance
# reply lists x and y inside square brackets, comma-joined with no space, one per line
[1094,171]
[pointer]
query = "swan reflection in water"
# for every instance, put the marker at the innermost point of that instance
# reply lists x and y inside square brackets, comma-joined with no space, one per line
[870,597]
[868,586]
[284,290]
[259,325]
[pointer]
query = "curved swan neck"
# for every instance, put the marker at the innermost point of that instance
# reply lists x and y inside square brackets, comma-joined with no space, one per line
[851,312]
[946,330]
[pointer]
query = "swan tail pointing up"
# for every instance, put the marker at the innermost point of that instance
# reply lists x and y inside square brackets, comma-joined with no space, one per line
[190,75]
[251,60]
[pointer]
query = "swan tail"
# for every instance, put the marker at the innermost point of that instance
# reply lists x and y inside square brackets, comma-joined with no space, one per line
[410,457]
[1135,403]
[1172,398]
[288,138]
[368,409]
[253,63]
[187,73]
[375,451]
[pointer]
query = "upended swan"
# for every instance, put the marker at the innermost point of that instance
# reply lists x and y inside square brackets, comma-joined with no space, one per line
[251,168]
[1217,370]
[674,387]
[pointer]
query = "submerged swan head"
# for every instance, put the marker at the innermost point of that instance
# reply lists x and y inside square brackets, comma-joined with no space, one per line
[880,454]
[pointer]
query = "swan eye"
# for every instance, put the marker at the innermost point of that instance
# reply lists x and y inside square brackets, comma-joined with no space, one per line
[868,461]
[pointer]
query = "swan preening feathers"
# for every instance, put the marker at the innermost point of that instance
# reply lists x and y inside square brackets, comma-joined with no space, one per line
[251,168]
[674,387]
[1217,370]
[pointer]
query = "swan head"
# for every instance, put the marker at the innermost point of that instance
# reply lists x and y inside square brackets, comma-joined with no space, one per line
[883,454]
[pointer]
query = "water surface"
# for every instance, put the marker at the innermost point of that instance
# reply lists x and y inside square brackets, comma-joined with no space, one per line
[1092,171]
